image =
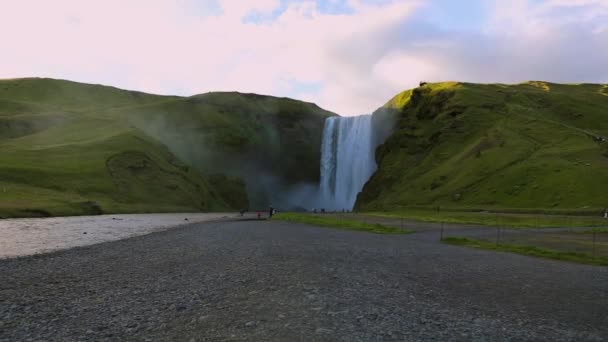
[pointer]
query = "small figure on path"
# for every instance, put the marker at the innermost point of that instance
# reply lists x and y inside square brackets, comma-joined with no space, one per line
[270,212]
[606,213]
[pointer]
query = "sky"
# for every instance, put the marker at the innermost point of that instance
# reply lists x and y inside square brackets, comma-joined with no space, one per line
[348,56]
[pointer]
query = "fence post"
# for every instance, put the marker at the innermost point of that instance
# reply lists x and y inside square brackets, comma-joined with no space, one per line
[593,248]
[497,236]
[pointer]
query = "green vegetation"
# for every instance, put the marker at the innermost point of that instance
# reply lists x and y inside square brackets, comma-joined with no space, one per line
[462,146]
[69,148]
[512,220]
[603,230]
[336,222]
[270,143]
[529,250]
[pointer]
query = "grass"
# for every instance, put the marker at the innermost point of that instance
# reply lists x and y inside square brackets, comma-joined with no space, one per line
[601,230]
[457,145]
[529,250]
[495,147]
[70,148]
[338,223]
[511,220]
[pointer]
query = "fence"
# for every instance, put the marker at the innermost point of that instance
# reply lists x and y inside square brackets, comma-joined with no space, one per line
[587,242]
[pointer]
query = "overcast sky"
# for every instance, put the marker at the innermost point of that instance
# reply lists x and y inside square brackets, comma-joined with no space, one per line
[348,56]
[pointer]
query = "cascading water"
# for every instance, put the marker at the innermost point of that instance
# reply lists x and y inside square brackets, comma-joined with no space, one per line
[347,160]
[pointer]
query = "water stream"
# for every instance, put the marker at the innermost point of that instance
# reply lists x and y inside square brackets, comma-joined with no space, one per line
[347,160]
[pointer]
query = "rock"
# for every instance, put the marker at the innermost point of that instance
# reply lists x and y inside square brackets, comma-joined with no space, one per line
[251,324]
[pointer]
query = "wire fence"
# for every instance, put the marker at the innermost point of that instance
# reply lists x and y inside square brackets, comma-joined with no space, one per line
[588,242]
[584,241]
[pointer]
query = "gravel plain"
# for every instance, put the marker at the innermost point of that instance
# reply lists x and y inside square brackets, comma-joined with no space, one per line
[276,281]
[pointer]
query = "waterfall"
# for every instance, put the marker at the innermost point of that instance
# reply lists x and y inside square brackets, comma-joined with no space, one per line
[347,160]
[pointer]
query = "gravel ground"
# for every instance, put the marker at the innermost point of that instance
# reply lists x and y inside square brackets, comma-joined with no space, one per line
[277,281]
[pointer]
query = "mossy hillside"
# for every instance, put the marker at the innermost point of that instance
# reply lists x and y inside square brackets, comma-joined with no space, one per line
[461,145]
[47,95]
[68,148]
[126,172]
[271,143]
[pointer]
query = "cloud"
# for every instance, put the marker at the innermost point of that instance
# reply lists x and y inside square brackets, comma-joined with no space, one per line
[560,41]
[349,56]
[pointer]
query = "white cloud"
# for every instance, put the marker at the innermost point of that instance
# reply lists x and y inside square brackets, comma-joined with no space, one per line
[360,59]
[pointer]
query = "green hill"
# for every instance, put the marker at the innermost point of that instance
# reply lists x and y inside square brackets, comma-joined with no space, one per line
[69,148]
[535,145]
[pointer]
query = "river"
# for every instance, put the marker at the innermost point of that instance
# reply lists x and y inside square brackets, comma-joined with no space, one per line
[28,236]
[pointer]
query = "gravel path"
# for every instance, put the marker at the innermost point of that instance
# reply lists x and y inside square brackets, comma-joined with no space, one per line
[276,281]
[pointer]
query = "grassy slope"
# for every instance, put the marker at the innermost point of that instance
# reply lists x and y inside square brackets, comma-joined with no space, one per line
[582,258]
[333,222]
[501,219]
[496,147]
[270,142]
[68,148]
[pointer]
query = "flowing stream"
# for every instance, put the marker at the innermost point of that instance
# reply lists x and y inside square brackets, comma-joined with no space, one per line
[347,160]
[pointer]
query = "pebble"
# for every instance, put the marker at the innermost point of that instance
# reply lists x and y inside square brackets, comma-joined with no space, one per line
[251,324]
[320,331]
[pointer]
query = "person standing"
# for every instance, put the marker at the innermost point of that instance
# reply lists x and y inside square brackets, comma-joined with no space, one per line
[270,212]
